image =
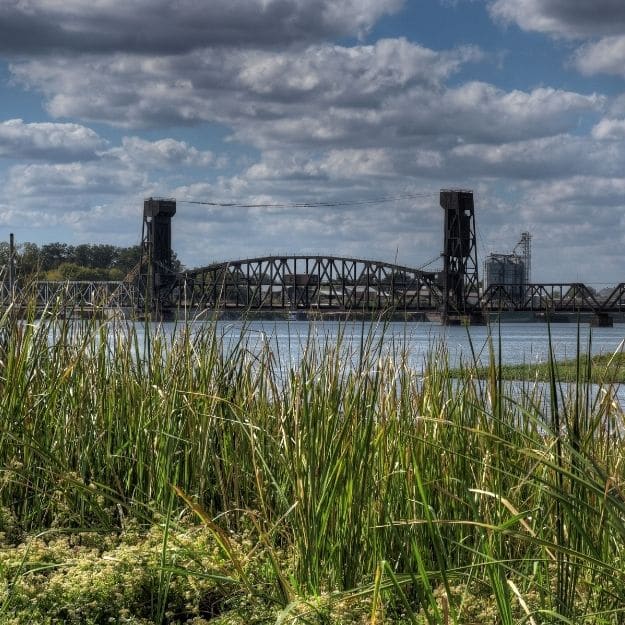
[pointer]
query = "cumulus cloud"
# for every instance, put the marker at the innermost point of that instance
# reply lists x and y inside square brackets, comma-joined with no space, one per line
[162,26]
[434,119]
[611,129]
[564,18]
[161,153]
[389,64]
[392,93]
[547,157]
[606,56]
[579,216]
[343,165]
[581,192]
[482,112]
[70,178]
[218,85]
[44,140]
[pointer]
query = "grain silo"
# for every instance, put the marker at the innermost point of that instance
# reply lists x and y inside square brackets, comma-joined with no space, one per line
[511,271]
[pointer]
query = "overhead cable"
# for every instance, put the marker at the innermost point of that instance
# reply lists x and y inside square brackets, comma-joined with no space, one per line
[381,200]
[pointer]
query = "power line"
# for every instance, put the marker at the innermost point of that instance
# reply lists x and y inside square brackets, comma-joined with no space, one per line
[381,200]
[429,262]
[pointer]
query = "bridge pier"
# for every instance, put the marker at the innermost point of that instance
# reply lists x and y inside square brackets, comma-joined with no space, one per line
[475,318]
[602,320]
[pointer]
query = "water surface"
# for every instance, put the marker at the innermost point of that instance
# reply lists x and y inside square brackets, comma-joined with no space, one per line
[520,342]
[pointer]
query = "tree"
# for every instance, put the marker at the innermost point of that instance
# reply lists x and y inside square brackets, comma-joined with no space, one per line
[51,255]
[60,261]
[72,271]
[4,254]
[128,258]
[28,259]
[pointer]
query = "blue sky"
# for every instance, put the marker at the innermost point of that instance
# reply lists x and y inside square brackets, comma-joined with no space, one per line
[289,101]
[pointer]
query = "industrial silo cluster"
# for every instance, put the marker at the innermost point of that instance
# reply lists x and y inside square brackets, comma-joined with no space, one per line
[513,271]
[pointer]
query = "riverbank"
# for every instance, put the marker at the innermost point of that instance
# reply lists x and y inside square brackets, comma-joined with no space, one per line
[599,369]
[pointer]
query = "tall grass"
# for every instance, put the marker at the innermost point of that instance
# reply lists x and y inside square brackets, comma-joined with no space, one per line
[355,473]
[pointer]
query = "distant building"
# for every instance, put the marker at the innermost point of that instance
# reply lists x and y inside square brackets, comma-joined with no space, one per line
[510,270]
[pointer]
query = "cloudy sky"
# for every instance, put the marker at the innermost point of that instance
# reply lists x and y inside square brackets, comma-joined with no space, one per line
[103,103]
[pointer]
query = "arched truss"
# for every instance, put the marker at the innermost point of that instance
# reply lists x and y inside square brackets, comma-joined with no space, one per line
[307,282]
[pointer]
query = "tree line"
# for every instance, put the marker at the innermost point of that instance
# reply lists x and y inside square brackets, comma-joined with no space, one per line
[60,261]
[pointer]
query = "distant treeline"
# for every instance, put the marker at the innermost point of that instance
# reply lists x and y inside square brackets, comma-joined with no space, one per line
[60,261]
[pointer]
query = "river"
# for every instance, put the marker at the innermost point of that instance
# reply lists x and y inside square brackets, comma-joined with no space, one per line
[520,342]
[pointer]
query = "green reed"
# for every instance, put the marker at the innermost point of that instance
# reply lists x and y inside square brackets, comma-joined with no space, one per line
[357,475]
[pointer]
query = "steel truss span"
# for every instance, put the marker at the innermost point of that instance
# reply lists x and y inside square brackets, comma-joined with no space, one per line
[556,297]
[73,294]
[307,282]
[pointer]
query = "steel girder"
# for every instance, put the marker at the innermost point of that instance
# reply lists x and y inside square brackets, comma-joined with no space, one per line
[308,282]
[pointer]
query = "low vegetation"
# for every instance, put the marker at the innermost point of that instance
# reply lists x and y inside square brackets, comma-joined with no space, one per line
[599,369]
[150,478]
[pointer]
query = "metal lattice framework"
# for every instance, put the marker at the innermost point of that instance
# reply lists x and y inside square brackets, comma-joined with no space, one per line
[555,297]
[73,294]
[460,269]
[307,282]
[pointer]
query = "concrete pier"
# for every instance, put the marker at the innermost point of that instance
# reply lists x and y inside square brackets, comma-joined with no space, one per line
[602,320]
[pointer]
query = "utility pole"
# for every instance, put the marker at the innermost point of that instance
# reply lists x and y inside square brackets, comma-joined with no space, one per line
[11,266]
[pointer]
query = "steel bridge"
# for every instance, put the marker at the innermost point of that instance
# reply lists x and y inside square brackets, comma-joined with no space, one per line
[340,284]
[313,282]
[324,283]
[320,283]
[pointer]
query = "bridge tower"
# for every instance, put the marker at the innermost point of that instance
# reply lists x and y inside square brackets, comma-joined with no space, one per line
[157,275]
[460,280]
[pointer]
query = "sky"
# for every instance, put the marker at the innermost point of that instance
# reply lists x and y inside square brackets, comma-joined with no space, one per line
[371,105]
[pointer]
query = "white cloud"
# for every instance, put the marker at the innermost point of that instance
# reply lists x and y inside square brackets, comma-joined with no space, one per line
[111,171]
[611,129]
[547,157]
[606,56]
[161,153]
[391,94]
[479,111]
[44,140]
[581,193]
[342,165]
[389,64]
[73,178]
[219,85]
